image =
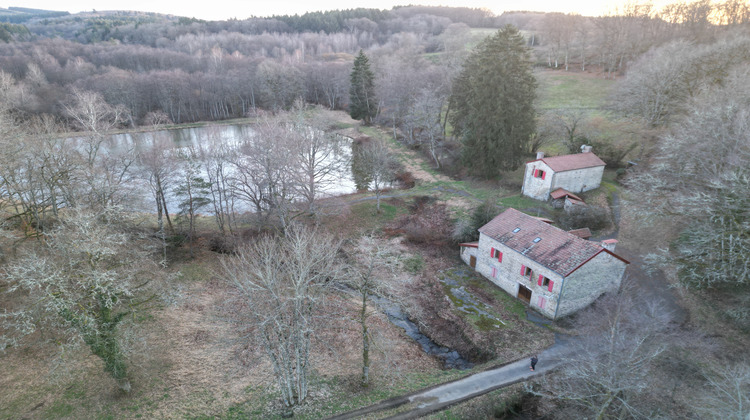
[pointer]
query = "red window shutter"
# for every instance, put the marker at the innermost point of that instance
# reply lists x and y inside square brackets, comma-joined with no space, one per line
[551,284]
[499,256]
[536,173]
[541,279]
[543,174]
[494,272]
[523,270]
[492,252]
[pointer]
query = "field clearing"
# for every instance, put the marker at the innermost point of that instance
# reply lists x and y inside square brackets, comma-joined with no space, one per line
[572,90]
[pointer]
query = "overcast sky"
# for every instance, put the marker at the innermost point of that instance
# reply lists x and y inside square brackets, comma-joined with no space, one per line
[241,9]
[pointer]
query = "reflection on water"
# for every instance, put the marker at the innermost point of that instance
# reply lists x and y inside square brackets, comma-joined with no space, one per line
[230,136]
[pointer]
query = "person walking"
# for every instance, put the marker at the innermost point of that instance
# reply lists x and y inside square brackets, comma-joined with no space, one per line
[534,359]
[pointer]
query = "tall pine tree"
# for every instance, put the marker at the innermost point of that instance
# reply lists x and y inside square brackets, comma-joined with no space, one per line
[362,102]
[492,101]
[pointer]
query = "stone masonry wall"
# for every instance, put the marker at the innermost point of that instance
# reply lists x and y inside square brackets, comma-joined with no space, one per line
[578,180]
[537,188]
[467,252]
[508,275]
[601,274]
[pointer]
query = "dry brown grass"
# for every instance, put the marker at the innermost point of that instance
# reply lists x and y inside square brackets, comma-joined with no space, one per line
[194,361]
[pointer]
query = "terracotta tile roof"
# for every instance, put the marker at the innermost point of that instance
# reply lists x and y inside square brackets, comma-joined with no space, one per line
[571,162]
[557,250]
[470,244]
[574,201]
[562,192]
[583,233]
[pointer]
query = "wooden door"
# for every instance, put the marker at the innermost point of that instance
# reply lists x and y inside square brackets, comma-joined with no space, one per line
[524,293]
[473,261]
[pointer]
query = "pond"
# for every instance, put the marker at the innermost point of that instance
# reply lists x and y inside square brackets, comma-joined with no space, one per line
[231,138]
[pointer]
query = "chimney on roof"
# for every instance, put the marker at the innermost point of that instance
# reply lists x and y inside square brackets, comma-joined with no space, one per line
[586,149]
[539,155]
[609,244]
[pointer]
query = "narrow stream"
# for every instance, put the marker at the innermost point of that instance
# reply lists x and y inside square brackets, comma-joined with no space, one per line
[451,359]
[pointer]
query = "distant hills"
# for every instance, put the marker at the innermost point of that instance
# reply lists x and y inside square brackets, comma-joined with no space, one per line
[24,14]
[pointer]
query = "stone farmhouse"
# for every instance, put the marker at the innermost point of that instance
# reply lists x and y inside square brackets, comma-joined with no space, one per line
[574,173]
[554,271]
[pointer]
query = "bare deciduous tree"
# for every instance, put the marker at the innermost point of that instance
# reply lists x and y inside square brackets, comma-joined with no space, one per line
[728,393]
[709,193]
[423,117]
[106,173]
[215,156]
[370,274]
[319,158]
[266,169]
[608,368]
[377,162]
[280,279]
[158,167]
[84,279]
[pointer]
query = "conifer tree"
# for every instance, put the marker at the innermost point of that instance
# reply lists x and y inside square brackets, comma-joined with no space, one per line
[362,101]
[492,100]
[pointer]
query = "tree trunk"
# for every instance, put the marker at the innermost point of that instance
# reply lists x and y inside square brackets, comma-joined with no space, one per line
[365,341]
[166,211]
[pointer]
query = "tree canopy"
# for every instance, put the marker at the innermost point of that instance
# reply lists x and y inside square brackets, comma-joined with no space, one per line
[362,101]
[492,100]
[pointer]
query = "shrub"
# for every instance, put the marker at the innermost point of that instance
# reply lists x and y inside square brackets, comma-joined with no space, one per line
[466,230]
[405,180]
[592,217]
[427,224]
[414,264]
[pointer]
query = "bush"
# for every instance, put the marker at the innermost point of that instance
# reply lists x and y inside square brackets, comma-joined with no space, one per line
[466,230]
[222,244]
[463,231]
[594,218]
[427,224]
[414,264]
[405,180]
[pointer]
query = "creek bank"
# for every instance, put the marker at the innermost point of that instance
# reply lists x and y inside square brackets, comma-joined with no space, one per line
[451,358]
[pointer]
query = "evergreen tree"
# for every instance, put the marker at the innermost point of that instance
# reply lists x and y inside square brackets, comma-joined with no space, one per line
[492,100]
[362,102]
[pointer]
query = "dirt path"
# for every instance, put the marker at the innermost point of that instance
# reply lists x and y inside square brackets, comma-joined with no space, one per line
[412,162]
[653,284]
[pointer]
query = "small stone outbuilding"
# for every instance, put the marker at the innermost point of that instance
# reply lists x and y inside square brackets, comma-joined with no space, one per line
[574,173]
[554,271]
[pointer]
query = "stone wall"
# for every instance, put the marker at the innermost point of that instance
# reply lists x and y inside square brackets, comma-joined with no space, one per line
[601,274]
[466,254]
[508,275]
[537,188]
[579,180]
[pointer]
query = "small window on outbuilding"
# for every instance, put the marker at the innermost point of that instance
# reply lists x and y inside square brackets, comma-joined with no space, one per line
[538,173]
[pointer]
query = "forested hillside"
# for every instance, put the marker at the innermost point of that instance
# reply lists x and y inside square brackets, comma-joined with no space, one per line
[195,70]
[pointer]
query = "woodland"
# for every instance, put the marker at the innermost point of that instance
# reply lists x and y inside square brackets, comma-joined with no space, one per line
[187,307]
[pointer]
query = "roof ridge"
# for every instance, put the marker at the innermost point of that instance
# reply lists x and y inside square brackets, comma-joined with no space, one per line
[557,249]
